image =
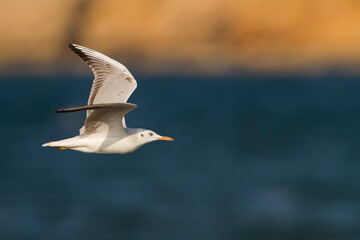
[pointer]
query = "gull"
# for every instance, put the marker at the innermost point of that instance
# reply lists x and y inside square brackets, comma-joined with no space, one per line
[105,130]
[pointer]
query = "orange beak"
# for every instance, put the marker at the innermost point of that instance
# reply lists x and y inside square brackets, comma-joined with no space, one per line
[165,138]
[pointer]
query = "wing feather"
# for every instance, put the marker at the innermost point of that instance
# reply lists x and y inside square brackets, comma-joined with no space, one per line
[106,121]
[103,119]
[109,74]
[96,106]
[113,83]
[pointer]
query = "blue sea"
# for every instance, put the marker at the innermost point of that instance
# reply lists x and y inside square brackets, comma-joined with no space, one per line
[254,157]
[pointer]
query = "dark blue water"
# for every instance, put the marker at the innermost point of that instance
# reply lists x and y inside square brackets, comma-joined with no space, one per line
[254,158]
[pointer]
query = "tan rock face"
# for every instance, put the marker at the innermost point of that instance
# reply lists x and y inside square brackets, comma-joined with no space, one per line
[32,30]
[209,36]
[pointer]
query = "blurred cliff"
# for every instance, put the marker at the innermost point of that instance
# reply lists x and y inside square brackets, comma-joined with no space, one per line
[205,36]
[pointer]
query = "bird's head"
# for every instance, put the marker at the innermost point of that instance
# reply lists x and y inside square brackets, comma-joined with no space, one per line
[146,136]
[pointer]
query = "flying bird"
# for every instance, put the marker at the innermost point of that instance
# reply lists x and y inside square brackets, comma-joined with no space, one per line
[105,130]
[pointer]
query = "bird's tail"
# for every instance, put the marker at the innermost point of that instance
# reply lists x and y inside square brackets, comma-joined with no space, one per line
[62,144]
[51,144]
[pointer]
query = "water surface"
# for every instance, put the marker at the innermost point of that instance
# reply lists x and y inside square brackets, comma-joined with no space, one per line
[254,158]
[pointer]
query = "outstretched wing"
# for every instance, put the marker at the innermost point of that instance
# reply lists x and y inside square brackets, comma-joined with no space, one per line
[113,83]
[103,119]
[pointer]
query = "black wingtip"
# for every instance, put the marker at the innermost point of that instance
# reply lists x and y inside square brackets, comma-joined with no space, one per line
[95,106]
[78,52]
[72,46]
[59,111]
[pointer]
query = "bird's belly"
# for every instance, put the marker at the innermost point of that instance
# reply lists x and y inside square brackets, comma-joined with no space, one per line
[117,148]
[112,145]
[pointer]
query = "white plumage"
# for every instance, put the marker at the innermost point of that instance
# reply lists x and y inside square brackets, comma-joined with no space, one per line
[105,130]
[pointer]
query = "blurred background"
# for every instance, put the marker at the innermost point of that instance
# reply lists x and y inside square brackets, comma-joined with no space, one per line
[262,98]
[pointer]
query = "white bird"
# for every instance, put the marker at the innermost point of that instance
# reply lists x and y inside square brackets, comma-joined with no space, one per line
[105,129]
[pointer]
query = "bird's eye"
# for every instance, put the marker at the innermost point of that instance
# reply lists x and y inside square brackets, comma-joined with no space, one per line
[142,135]
[151,134]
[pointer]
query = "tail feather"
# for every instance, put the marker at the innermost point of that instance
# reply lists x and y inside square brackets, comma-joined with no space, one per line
[61,148]
[54,145]
[46,144]
[62,144]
